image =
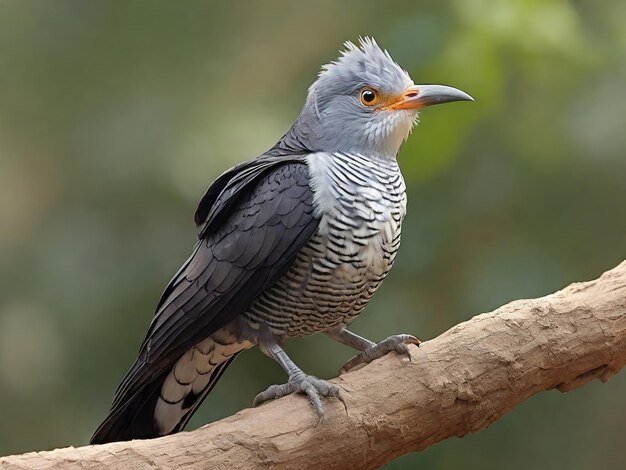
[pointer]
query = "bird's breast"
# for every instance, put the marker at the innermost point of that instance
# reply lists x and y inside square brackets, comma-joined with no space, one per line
[361,203]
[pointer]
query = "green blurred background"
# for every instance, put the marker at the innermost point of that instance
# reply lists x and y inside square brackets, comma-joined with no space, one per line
[115,117]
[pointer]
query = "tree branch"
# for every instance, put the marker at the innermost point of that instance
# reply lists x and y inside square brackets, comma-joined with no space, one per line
[455,384]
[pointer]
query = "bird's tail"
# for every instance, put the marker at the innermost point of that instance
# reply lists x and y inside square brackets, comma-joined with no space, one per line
[166,403]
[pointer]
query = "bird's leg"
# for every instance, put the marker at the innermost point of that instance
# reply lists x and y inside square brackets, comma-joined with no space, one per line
[298,382]
[371,351]
[348,338]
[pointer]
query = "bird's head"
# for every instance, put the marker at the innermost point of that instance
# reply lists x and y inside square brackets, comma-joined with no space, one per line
[365,102]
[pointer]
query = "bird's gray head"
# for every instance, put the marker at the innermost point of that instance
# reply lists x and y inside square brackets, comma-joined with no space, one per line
[365,103]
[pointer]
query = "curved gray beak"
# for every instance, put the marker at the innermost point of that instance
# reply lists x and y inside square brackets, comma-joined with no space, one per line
[420,96]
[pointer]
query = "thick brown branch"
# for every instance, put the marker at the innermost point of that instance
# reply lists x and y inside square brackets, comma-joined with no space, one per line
[457,383]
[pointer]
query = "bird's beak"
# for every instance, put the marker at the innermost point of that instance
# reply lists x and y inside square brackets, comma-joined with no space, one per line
[420,96]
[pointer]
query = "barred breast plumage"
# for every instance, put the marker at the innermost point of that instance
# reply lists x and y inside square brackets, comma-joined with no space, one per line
[361,203]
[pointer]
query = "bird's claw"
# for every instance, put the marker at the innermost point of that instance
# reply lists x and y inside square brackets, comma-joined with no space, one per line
[313,387]
[397,343]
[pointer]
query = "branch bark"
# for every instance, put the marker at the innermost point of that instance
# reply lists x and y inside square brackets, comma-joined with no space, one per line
[455,384]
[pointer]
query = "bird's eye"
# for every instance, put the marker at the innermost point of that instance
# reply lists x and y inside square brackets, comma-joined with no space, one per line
[369,97]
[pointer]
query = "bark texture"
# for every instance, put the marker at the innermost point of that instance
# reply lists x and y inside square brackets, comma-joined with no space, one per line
[455,384]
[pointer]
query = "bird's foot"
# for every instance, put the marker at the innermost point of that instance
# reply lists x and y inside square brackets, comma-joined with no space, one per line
[397,343]
[313,387]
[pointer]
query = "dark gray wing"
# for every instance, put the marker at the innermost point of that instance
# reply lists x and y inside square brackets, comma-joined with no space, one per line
[255,218]
[249,238]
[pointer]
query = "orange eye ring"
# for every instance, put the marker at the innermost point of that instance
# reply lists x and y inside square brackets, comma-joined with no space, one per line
[369,97]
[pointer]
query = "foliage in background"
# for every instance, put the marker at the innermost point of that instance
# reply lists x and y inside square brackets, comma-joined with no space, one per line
[115,116]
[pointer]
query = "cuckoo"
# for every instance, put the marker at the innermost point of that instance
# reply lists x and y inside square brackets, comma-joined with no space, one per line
[292,243]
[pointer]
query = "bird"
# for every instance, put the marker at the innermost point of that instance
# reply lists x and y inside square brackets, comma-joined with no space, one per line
[291,243]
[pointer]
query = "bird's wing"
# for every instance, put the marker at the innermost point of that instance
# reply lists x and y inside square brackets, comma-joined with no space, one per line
[255,218]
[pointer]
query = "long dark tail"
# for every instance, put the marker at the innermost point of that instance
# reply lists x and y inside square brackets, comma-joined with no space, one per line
[166,403]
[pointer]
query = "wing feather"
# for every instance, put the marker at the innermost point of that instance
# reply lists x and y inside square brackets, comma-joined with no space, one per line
[255,218]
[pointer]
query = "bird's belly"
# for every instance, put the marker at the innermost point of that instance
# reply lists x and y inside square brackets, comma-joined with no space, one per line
[328,285]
